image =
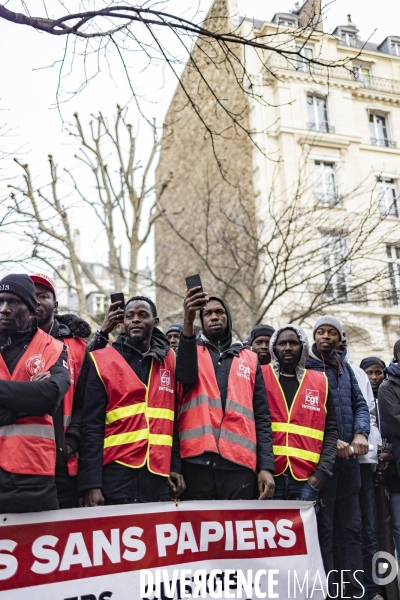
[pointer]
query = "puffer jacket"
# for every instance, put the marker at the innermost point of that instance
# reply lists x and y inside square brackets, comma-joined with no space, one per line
[389,407]
[351,408]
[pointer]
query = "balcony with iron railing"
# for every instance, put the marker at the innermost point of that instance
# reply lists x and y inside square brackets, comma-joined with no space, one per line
[383,143]
[324,127]
[302,66]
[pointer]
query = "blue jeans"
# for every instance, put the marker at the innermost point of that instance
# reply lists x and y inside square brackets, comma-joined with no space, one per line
[288,488]
[395,512]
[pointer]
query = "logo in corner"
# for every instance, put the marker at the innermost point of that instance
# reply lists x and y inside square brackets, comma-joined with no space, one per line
[35,365]
[312,397]
[165,376]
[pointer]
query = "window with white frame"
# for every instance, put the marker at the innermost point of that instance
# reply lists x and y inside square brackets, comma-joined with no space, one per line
[379,130]
[364,75]
[395,48]
[317,113]
[349,38]
[325,183]
[389,201]
[336,266]
[305,54]
[393,258]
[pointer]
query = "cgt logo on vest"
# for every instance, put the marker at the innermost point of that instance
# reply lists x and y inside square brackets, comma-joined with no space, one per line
[165,378]
[244,370]
[35,365]
[312,400]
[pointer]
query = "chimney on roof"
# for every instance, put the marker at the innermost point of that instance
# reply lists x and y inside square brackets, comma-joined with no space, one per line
[310,15]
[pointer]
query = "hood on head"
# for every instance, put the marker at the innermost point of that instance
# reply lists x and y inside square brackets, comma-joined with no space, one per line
[228,314]
[304,342]
[78,328]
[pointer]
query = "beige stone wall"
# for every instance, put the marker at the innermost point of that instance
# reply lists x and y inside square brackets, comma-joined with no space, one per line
[197,193]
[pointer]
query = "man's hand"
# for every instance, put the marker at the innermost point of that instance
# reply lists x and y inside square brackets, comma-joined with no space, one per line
[177,484]
[194,301]
[93,497]
[360,445]
[315,482]
[384,459]
[41,376]
[266,484]
[70,451]
[114,316]
[343,449]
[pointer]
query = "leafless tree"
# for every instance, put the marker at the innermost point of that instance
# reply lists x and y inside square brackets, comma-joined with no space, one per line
[294,255]
[149,31]
[121,200]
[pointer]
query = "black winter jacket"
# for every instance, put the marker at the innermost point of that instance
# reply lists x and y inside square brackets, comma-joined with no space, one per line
[389,407]
[95,406]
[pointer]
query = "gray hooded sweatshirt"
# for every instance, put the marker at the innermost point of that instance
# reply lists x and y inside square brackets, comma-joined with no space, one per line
[329,446]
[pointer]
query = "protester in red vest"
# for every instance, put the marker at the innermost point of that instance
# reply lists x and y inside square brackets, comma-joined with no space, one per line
[224,423]
[303,418]
[129,449]
[34,378]
[72,331]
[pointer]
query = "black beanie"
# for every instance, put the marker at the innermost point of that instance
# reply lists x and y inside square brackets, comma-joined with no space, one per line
[261,330]
[176,327]
[21,286]
[372,360]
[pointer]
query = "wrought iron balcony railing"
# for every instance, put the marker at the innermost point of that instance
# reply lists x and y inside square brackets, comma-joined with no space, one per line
[323,127]
[383,142]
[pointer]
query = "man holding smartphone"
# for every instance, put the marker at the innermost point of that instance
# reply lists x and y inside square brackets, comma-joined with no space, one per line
[224,421]
[130,449]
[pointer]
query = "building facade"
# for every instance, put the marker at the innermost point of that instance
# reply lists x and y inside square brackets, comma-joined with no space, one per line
[328,124]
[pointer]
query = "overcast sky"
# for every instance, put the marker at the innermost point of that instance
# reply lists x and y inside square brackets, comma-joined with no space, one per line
[28,90]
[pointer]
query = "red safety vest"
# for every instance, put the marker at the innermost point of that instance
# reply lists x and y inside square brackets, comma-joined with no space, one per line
[28,445]
[76,349]
[139,418]
[297,434]
[203,427]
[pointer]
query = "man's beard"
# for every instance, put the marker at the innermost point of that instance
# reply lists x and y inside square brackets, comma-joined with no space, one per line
[137,339]
[288,365]
[45,318]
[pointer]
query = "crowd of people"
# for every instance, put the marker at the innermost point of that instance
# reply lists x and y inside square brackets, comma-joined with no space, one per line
[195,414]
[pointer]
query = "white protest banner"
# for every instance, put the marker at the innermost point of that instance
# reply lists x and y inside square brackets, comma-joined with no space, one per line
[235,549]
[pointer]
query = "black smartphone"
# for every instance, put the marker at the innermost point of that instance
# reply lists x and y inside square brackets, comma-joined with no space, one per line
[194,281]
[118,297]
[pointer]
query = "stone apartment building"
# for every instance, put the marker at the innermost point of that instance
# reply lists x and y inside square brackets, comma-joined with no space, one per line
[331,133]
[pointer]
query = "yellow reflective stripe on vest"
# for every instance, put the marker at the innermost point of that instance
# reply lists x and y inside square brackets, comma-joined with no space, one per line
[292,428]
[125,411]
[296,453]
[160,413]
[160,440]
[126,438]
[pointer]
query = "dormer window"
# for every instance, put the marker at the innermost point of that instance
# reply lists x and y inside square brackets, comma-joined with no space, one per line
[287,22]
[349,38]
[395,48]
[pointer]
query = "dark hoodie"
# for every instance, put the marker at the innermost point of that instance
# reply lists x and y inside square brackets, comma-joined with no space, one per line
[222,354]
[95,406]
